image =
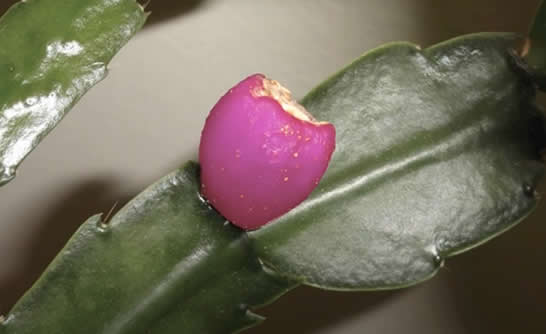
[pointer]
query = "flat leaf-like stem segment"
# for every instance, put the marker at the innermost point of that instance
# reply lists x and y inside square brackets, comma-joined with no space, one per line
[166,263]
[52,52]
[434,156]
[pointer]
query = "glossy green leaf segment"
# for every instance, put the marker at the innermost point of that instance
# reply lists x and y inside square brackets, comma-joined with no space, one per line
[435,155]
[52,53]
[166,263]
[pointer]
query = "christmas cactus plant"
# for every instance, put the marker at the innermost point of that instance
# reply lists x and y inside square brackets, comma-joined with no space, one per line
[402,159]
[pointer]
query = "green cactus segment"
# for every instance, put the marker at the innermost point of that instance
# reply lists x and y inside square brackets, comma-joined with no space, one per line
[52,53]
[166,263]
[435,154]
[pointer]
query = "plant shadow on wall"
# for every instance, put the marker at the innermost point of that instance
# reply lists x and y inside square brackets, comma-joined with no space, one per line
[307,310]
[441,20]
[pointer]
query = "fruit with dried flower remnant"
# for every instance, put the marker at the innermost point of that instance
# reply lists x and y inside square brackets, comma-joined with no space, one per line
[261,153]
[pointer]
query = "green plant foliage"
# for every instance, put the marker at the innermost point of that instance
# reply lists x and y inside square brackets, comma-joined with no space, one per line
[437,152]
[435,155]
[52,53]
[165,263]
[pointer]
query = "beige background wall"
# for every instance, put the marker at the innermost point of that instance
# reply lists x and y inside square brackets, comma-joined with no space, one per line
[145,120]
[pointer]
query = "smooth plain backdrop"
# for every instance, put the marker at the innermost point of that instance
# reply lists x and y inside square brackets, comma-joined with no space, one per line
[144,120]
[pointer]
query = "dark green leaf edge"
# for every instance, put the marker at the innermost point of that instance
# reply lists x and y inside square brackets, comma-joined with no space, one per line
[381,48]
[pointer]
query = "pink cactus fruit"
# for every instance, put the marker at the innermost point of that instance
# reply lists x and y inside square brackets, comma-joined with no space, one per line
[261,153]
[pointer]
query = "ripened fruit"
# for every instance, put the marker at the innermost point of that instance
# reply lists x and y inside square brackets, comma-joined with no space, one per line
[261,153]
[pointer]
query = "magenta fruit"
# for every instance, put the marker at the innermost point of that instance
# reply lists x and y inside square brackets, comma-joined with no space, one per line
[261,153]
